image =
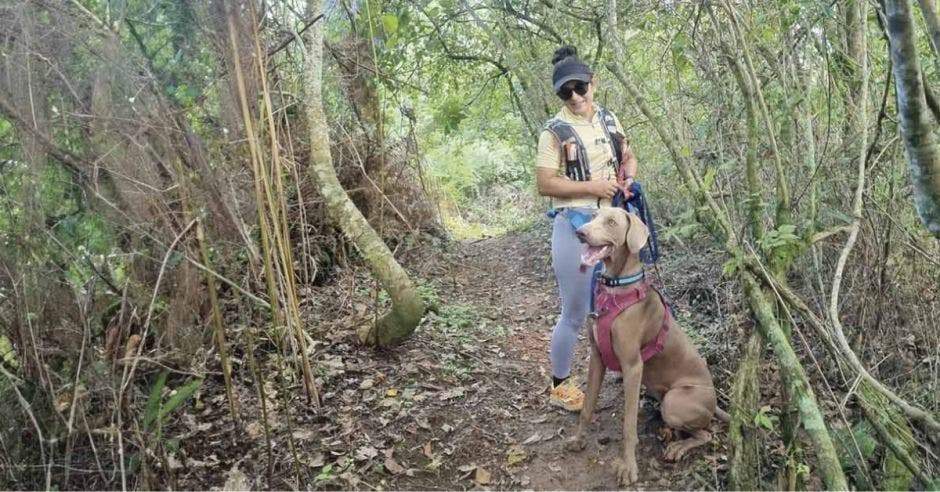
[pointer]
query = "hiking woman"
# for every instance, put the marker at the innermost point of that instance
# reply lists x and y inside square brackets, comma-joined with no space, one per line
[583,161]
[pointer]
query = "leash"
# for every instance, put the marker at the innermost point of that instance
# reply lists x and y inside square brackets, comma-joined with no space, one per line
[649,255]
[638,206]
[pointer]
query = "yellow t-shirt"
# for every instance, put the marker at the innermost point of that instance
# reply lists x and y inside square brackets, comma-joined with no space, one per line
[599,153]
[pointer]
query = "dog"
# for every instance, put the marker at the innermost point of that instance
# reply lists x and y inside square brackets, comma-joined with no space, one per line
[675,374]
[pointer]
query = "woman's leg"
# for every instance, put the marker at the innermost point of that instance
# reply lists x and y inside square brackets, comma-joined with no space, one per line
[575,289]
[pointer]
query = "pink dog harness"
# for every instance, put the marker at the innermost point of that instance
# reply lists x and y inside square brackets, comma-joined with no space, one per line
[609,304]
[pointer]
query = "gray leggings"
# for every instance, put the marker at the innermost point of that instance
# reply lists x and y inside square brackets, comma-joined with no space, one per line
[574,286]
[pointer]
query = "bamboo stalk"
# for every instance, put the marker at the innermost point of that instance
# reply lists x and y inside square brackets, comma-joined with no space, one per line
[282,231]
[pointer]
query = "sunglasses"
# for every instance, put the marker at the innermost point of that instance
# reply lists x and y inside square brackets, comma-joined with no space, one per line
[580,87]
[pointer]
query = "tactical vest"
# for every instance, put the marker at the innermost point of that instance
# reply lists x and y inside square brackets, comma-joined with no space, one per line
[573,151]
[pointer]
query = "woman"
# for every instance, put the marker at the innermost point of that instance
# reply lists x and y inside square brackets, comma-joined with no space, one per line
[583,162]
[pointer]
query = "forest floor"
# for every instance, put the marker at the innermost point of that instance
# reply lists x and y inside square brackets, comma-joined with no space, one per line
[463,404]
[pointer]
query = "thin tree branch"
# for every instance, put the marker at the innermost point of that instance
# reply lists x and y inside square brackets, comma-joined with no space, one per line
[74,163]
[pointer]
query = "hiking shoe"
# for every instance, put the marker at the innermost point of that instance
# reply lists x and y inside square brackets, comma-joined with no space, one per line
[566,395]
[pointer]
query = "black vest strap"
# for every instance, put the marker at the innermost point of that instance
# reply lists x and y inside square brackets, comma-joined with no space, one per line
[579,169]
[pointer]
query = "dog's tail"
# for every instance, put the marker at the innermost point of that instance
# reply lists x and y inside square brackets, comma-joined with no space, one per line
[722,415]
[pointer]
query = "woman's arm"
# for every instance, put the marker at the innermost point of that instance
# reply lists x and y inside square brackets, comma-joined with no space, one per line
[551,184]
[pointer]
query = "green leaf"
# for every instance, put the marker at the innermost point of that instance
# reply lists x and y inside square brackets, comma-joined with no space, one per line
[7,355]
[182,394]
[728,269]
[390,24]
[153,403]
[709,179]
[325,473]
[175,259]
[763,420]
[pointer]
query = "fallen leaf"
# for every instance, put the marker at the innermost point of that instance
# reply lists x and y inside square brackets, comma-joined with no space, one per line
[236,480]
[533,438]
[253,429]
[466,468]
[303,435]
[366,384]
[131,346]
[427,450]
[173,463]
[317,460]
[447,428]
[391,393]
[366,453]
[515,455]
[393,467]
[423,423]
[453,393]
[482,476]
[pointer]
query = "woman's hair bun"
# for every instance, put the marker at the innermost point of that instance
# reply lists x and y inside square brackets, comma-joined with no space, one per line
[564,52]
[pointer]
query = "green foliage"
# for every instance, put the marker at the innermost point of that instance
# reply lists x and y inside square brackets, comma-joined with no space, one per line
[7,355]
[428,294]
[157,410]
[479,182]
[326,473]
[686,227]
[846,440]
[764,419]
[449,114]
[780,238]
[457,317]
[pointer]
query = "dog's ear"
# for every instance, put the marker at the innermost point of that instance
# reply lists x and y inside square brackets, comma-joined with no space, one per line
[637,233]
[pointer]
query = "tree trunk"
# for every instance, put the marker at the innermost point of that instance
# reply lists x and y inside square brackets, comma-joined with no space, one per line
[830,469]
[899,465]
[744,436]
[932,19]
[919,139]
[407,306]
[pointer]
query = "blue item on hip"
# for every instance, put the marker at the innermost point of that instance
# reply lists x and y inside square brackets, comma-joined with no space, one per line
[575,217]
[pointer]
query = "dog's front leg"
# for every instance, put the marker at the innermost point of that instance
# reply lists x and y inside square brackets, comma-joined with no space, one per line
[596,371]
[632,375]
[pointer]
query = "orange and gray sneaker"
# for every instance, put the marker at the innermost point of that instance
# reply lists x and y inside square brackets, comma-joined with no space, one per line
[567,395]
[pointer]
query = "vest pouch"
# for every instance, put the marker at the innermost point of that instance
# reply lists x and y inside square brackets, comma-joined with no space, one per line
[573,168]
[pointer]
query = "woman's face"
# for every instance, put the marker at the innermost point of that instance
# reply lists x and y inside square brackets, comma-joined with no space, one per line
[581,105]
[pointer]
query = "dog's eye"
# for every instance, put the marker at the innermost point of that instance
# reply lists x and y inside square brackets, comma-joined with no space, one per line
[611,221]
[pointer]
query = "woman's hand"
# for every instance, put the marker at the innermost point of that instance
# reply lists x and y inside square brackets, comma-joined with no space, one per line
[602,188]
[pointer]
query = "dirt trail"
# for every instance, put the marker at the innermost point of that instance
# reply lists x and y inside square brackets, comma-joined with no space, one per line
[460,405]
[511,276]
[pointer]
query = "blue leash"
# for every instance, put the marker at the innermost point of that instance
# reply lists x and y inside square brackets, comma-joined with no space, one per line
[637,205]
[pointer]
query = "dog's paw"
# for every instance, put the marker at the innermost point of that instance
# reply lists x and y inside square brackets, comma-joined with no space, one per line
[576,443]
[627,471]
